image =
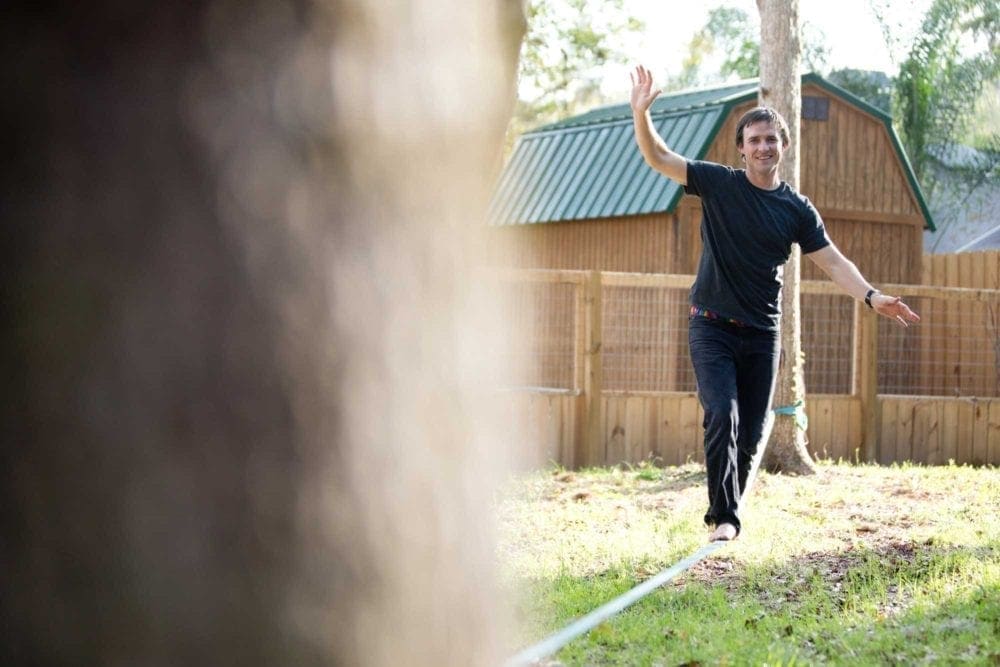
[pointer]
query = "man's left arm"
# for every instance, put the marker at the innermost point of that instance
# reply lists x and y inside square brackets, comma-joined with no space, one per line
[845,275]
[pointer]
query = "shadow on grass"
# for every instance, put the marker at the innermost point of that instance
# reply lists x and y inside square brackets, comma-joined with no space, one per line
[628,480]
[669,479]
[963,627]
[859,568]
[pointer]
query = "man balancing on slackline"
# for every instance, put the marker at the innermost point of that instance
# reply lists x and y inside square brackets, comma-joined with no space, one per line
[750,218]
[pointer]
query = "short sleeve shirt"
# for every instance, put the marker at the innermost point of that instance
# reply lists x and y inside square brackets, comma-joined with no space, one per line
[747,235]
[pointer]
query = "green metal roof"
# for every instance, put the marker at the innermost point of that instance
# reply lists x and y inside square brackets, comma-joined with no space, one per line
[678,101]
[588,166]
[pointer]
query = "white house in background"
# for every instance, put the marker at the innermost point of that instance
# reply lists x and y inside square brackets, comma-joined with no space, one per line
[988,241]
[965,220]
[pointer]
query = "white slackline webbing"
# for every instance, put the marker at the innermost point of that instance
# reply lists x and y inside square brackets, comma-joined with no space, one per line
[556,641]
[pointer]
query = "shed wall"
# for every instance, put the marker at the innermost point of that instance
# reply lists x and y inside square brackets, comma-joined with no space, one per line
[671,243]
[848,163]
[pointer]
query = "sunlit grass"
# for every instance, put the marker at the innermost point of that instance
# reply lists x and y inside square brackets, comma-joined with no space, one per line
[856,565]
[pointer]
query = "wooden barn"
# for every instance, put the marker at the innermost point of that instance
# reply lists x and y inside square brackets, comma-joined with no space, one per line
[576,199]
[577,194]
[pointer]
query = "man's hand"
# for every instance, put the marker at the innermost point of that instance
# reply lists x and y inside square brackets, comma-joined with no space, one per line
[893,308]
[654,151]
[847,277]
[642,90]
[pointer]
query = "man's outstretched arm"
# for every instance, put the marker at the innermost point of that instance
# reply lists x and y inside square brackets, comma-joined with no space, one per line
[845,274]
[655,152]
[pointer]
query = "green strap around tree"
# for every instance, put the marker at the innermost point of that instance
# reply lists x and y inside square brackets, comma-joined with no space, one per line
[798,411]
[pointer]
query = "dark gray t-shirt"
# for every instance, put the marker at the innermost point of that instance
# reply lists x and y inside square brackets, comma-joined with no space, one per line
[747,235]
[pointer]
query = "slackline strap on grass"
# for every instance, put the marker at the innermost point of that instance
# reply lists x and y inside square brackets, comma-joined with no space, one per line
[554,642]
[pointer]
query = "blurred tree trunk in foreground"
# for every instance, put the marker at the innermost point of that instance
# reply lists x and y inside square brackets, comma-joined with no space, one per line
[236,247]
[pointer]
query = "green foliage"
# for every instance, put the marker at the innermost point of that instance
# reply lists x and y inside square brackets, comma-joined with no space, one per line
[567,44]
[875,88]
[735,34]
[952,71]
[982,132]
[941,79]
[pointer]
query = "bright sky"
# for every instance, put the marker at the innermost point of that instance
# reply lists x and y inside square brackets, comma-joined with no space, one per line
[852,33]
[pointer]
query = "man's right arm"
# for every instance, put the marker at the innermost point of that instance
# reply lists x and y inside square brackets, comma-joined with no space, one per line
[653,149]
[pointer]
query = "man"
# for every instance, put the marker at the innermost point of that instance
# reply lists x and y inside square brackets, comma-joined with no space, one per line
[750,218]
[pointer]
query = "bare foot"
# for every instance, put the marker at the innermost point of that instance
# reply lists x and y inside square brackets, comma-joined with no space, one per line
[723,533]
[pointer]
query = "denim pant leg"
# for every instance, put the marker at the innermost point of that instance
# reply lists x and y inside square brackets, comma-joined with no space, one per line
[735,368]
[714,349]
[756,375]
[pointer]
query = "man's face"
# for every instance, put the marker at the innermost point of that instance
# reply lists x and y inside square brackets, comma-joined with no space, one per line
[762,147]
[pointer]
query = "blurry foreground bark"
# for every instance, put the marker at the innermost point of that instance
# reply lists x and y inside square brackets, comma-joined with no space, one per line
[235,253]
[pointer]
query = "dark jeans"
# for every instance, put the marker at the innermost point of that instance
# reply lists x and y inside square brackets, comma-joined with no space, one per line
[735,368]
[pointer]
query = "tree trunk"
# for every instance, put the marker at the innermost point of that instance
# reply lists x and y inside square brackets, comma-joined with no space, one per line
[236,246]
[781,88]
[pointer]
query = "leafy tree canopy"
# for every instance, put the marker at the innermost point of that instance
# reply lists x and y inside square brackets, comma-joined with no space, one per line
[873,87]
[945,105]
[567,44]
[734,34]
[953,59]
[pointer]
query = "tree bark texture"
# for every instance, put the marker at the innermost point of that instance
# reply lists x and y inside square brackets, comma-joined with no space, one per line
[781,88]
[236,251]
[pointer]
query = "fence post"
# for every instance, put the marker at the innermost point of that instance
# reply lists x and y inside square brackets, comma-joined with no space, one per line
[579,452]
[580,294]
[593,375]
[865,379]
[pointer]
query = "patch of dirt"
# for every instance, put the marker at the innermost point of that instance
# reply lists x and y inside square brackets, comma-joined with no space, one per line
[712,571]
[786,583]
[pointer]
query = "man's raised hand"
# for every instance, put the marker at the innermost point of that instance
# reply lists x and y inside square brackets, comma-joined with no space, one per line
[642,89]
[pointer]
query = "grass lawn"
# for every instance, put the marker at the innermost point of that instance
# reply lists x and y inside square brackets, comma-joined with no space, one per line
[856,565]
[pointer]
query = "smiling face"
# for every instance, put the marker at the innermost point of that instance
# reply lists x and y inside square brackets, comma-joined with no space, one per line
[762,148]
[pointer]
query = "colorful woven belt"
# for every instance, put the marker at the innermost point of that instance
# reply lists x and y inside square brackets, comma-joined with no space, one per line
[698,311]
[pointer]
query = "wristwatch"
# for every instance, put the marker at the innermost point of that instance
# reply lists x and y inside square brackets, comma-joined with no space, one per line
[868,297]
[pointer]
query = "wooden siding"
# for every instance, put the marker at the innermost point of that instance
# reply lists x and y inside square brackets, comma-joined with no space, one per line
[884,252]
[544,427]
[662,243]
[667,428]
[847,162]
[938,430]
[968,269]
[642,244]
[723,149]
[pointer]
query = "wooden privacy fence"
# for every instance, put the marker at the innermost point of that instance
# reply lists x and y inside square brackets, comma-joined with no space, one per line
[966,269]
[599,371]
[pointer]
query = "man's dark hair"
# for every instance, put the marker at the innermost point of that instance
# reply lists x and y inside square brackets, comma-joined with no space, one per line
[758,114]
